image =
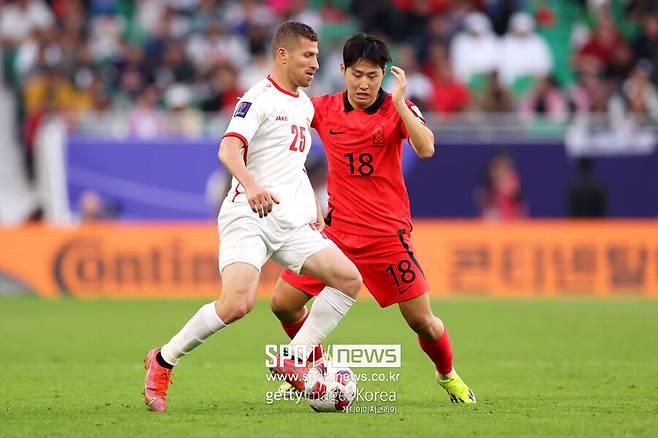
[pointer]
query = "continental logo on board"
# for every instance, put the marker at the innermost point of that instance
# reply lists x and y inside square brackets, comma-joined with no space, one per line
[113,260]
[87,265]
[459,258]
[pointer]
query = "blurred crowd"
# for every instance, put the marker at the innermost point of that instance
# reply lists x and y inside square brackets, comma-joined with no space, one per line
[547,58]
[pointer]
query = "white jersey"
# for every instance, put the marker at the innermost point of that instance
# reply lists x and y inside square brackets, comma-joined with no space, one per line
[275,126]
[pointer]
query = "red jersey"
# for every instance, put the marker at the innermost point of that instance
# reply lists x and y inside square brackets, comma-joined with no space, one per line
[367,194]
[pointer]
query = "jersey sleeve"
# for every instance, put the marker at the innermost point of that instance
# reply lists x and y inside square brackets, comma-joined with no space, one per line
[317,102]
[414,109]
[247,118]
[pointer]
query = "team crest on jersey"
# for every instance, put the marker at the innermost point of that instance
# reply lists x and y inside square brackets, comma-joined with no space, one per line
[242,109]
[378,136]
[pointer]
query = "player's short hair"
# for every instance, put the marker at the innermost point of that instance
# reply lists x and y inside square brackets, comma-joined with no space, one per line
[289,34]
[364,47]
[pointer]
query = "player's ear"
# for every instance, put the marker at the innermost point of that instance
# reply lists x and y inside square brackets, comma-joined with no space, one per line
[282,55]
[342,68]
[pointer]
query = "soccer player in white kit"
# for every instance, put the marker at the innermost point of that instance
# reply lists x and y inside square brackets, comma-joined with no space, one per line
[270,212]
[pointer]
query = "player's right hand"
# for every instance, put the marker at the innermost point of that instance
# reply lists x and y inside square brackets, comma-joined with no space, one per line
[260,200]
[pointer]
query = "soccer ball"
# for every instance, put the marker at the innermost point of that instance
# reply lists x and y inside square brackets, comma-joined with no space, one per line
[330,389]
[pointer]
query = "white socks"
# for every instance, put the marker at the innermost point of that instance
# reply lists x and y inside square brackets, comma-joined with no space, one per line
[327,310]
[203,324]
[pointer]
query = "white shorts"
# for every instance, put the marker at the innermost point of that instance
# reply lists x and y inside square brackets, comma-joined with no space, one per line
[246,238]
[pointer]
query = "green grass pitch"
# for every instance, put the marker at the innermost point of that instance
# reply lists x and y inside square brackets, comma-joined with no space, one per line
[538,368]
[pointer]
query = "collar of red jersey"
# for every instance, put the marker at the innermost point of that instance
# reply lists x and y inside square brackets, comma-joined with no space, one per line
[372,109]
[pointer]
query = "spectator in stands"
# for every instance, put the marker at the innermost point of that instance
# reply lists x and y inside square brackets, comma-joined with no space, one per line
[183,119]
[215,45]
[419,86]
[39,111]
[450,94]
[240,16]
[259,68]
[145,120]
[598,51]
[131,57]
[474,51]
[93,208]
[47,87]
[156,40]
[258,40]
[436,56]
[621,64]
[438,32]
[208,12]
[110,48]
[587,197]
[222,91]
[148,16]
[501,12]
[588,92]
[545,100]
[495,98]
[19,20]
[375,17]
[298,10]
[523,53]
[500,195]
[646,45]
[640,94]
[131,84]
[106,31]
[175,66]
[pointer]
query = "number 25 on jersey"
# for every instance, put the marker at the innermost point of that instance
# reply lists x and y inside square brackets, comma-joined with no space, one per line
[300,134]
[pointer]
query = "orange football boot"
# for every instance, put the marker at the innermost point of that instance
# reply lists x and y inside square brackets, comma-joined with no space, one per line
[291,373]
[156,382]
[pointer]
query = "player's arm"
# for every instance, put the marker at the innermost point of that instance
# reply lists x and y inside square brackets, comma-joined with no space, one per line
[420,136]
[230,155]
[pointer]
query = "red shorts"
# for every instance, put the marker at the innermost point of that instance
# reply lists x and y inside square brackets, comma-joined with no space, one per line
[388,266]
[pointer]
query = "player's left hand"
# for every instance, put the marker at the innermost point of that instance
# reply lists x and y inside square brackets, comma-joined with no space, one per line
[400,89]
[319,224]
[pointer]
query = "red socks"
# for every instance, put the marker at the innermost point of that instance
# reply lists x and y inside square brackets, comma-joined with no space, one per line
[292,329]
[439,350]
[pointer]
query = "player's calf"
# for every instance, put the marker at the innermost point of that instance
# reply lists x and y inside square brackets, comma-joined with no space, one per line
[427,326]
[288,304]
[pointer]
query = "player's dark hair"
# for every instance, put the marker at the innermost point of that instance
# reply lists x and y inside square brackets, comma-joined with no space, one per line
[289,34]
[364,47]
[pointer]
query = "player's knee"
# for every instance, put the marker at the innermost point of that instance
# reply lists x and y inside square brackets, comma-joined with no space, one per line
[425,326]
[282,309]
[234,311]
[276,305]
[240,310]
[350,282]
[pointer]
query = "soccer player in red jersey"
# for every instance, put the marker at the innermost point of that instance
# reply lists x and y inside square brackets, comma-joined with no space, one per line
[363,129]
